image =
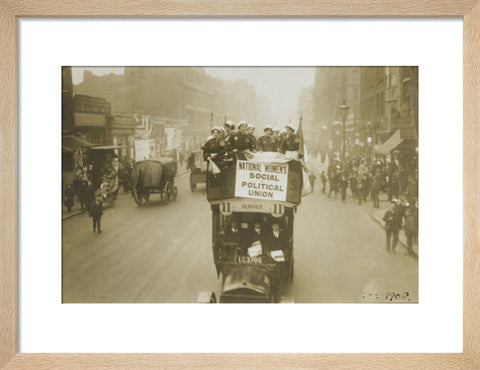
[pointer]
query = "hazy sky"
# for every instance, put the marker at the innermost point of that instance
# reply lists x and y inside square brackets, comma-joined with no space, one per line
[77,72]
[279,84]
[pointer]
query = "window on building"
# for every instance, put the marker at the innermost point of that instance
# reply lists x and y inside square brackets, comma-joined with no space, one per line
[95,138]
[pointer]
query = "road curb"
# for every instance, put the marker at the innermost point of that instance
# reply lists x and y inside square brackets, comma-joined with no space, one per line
[73,214]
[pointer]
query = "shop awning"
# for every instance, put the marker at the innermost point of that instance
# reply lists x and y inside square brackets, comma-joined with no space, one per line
[392,142]
[72,143]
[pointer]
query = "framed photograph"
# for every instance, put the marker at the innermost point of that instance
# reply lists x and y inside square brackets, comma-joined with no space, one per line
[196,166]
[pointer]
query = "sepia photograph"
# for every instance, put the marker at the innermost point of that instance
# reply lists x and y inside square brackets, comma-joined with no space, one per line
[240,184]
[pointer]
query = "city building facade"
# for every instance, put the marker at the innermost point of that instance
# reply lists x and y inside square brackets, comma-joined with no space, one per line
[187,99]
[334,86]
[93,118]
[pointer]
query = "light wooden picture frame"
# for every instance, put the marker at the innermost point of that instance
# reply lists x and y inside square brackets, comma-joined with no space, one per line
[11,10]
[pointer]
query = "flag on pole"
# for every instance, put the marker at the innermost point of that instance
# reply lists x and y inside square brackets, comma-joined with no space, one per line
[306,157]
[301,148]
[211,120]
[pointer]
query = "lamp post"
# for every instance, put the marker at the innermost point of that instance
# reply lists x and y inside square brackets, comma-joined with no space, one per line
[344,110]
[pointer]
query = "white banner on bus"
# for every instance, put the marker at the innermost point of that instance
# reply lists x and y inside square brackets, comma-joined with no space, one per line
[261,180]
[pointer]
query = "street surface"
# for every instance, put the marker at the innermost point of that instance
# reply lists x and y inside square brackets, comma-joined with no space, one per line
[162,253]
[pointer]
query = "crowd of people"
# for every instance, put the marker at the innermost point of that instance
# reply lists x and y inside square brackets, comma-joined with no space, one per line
[366,182]
[94,182]
[95,179]
[226,141]
[270,237]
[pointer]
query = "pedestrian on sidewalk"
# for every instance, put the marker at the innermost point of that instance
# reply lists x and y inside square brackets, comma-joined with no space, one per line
[95,211]
[353,183]
[83,195]
[332,181]
[393,186]
[359,188]
[392,226]
[323,178]
[77,186]
[376,185]
[343,184]
[68,197]
[311,179]
[331,172]
[365,186]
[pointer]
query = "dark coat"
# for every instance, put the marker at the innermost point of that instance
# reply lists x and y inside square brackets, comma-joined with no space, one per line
[388,218]
[267,143]
[77,186]
[240,237]
[290,144]
[88,195]
[241,141]
[342,183]
[253,142]
[275,244]
[376,184]
[95,209]
[68,195]
[398,213]
[365,183]
[212,146]
[393,219]
[411,220]
[254,236]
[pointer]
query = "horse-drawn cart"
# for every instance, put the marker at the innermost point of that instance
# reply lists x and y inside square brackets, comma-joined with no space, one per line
[152,176]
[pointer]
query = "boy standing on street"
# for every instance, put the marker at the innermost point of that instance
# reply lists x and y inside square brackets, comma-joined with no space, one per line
[95,211]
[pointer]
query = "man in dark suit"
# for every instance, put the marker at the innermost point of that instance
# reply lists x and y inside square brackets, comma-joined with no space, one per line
[257,234]
[276,240]
[393,224]
[236,239]
[234,234]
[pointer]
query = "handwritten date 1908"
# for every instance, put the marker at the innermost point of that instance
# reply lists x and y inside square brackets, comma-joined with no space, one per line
[397,297]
